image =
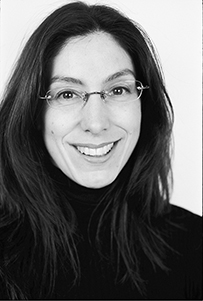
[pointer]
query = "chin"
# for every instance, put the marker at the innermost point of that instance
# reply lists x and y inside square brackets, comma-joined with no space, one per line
[95,183]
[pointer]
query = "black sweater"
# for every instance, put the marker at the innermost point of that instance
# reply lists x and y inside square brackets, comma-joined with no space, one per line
[181,281]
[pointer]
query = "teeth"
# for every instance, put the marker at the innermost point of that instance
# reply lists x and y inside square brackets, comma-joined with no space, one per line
[95,152]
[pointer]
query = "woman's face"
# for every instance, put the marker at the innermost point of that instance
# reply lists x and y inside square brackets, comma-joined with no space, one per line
[92,144]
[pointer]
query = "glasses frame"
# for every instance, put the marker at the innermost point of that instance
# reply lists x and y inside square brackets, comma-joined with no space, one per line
[85,95]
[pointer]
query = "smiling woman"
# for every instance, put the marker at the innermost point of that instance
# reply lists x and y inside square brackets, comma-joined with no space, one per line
[85,136]
[104,136]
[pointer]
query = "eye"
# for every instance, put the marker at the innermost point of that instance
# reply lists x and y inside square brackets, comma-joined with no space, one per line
[119,91]
[67,94]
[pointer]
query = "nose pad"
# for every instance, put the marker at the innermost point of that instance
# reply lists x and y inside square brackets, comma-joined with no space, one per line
[95,116]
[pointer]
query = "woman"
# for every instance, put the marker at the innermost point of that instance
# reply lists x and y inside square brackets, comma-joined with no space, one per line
[86,127]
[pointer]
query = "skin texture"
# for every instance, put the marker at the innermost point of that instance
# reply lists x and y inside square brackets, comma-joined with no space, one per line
[92,59]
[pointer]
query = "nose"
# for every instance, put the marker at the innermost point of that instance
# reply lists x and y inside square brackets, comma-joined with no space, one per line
[95,115]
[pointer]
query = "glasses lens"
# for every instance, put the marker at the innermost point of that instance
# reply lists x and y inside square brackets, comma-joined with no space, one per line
[61,97]
[123,91]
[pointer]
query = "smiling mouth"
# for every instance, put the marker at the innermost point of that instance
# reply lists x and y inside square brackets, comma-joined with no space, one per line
[97,151]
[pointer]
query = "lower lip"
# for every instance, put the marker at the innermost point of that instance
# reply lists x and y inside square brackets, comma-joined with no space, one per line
[100,159]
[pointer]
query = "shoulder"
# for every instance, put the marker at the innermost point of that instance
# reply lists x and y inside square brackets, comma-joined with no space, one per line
[178,212]
[185,221]
[184,227]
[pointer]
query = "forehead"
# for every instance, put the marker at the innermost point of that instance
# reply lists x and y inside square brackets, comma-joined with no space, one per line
[92,57]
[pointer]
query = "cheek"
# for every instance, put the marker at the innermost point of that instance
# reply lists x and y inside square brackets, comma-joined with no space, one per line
[55,125]
[130,118]
[52,129]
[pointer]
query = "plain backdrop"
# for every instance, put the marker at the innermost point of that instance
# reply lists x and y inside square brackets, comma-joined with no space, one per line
[175,29]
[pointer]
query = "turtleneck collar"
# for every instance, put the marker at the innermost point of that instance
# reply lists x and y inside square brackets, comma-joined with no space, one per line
[75,191]
[88,204]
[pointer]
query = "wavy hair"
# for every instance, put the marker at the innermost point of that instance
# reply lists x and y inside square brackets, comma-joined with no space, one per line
[29,195]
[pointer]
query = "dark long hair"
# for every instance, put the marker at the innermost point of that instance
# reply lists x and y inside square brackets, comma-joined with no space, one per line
[28,194]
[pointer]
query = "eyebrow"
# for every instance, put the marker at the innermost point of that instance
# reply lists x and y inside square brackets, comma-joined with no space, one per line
[78,81]
[119,74]
[66,79]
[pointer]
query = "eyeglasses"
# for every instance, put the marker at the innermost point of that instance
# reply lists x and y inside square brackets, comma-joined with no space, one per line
[118,93]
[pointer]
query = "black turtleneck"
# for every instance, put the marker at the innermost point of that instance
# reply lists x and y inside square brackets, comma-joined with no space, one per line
[98,273]
[99,279]
[84,201]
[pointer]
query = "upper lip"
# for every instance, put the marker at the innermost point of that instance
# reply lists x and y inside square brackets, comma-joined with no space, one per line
[90,145]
